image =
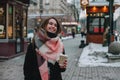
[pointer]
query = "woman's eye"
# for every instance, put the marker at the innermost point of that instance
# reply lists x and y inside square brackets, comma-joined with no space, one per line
[50,23]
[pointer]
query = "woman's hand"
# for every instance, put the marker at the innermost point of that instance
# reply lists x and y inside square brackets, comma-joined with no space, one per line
[64,65]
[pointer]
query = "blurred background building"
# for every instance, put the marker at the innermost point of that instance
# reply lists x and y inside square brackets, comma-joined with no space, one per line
[39,10]
[64,12]
[18,18]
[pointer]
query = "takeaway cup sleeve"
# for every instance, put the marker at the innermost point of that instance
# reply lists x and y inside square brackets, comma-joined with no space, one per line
[62,59]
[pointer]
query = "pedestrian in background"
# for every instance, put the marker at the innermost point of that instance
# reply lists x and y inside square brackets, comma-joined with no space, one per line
[42,57]
[116,34]
[73,33]
[82,32]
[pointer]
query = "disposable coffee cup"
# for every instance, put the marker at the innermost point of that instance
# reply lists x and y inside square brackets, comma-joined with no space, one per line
[62,59]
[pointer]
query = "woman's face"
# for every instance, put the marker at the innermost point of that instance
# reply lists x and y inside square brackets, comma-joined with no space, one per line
[52,26]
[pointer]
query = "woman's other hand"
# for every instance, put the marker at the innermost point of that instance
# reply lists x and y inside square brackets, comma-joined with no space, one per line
[64,64]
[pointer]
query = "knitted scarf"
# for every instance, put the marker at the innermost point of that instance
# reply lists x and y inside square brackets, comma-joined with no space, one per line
[50,51]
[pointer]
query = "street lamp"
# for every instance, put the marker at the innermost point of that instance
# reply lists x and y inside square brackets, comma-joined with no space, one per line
[110,20]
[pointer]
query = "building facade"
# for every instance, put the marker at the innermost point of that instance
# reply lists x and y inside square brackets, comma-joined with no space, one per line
[13,27]
[47,8]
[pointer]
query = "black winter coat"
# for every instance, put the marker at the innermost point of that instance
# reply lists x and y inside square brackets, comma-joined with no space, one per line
[30,68]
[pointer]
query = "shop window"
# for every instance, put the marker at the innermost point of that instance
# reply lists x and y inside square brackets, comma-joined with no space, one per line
[96,25]
[24,23]
[102,22]
[2,21]
[10,21]
[96,29]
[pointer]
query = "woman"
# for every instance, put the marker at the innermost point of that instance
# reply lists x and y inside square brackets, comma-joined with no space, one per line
[41,60]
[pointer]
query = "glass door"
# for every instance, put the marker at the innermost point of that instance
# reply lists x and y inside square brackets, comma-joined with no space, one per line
[19,30]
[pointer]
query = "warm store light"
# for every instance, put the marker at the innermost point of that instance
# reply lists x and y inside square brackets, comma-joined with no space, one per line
[94,8]
[105,9]
[90,14]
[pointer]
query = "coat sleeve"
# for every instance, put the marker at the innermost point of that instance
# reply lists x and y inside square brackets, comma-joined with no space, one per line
[27,63]
[30,67]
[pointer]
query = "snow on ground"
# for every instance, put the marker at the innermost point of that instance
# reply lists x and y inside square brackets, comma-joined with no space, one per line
[67,37]
[94,55]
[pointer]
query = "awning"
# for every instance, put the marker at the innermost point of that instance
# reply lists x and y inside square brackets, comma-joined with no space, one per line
[43,15]
[24,1]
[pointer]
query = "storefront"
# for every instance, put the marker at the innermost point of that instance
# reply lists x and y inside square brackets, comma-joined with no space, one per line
[68,27]
[13,27]
[97,22]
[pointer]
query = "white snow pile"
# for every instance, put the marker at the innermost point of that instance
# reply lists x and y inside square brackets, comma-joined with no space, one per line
[95,55]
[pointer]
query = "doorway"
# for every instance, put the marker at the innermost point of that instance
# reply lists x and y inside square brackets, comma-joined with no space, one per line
[19,32]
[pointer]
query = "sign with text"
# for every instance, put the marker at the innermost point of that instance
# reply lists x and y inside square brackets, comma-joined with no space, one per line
[84,2]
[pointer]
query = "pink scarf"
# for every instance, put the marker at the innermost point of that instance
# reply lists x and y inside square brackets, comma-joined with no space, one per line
[50,51]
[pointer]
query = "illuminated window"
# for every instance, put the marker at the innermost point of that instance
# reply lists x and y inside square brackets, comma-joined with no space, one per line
[24,23]
[2,21]
[96,25]
[10,21]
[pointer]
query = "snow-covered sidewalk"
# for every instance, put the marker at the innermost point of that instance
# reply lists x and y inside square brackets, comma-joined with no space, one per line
[95,55]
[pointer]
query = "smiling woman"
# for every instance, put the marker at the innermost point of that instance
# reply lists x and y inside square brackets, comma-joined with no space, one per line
[43,53]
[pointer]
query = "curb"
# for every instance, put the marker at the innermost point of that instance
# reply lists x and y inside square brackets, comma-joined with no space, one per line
[3,58]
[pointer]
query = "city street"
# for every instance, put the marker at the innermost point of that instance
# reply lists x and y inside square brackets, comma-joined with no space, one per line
[13,69]
[92,22]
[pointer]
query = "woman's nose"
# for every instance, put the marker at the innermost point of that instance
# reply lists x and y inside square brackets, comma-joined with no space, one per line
[53,26]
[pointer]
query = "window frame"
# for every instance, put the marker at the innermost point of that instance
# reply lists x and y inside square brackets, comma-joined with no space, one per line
[97,28]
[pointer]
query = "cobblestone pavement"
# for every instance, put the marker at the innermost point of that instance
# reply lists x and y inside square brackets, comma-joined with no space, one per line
[13,69]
